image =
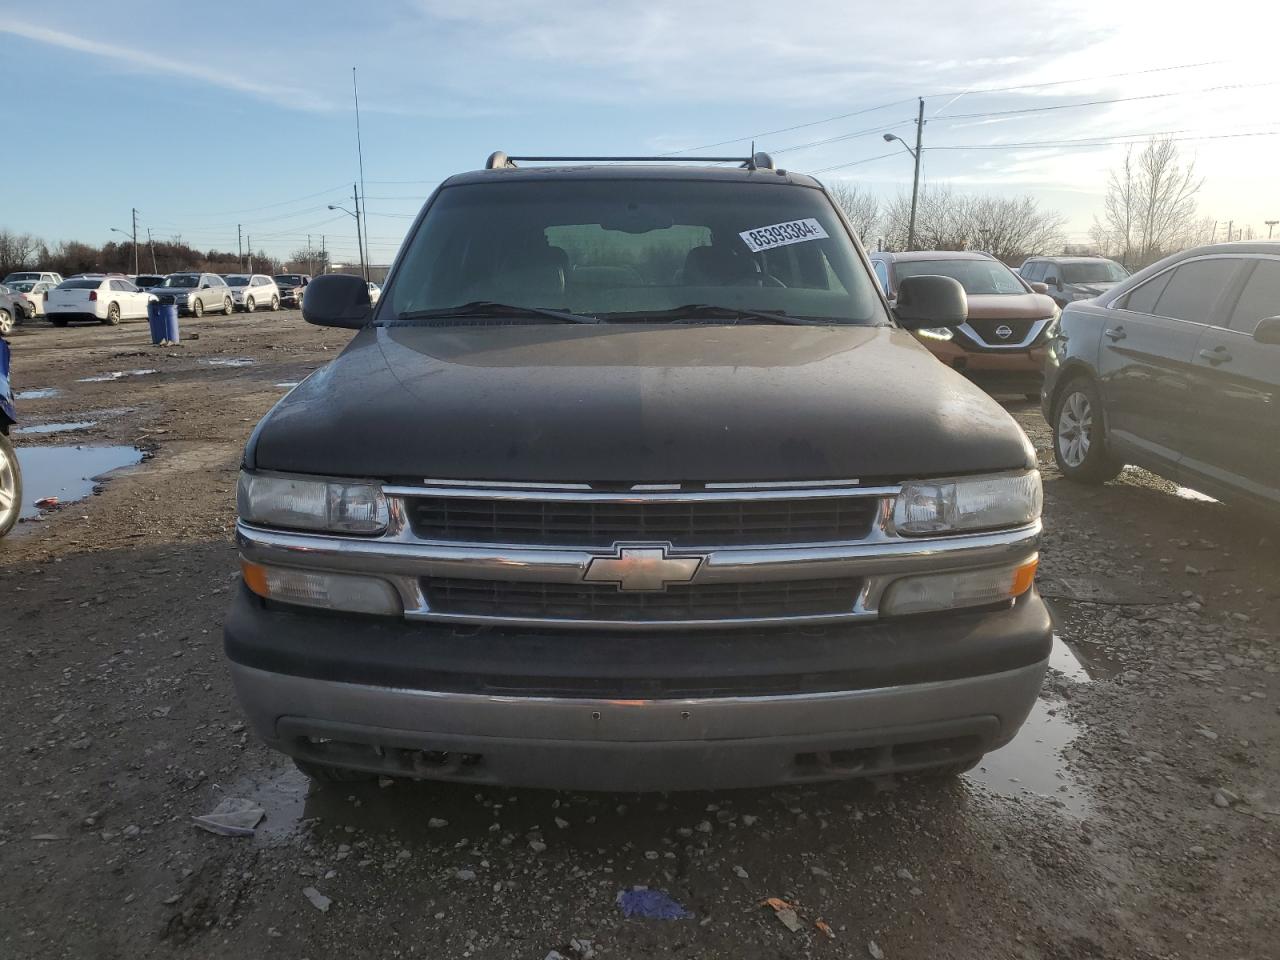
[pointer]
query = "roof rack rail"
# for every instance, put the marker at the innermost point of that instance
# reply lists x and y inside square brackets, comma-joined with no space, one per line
[757,161]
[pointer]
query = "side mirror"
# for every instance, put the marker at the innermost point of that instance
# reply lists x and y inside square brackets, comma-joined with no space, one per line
[1053,282]
[927,301]
[337,300]
[1267,330]
[1039,287]
[204,286]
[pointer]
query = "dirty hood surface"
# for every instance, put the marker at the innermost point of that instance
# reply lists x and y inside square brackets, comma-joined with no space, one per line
[631,403]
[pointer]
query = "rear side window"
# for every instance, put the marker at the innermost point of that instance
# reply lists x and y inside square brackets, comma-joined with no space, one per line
[1033,271]
[882,274]
[1259,299]
[1142,299]
[1194,289]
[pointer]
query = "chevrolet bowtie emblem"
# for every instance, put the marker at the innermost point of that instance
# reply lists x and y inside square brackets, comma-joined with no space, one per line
[641,568]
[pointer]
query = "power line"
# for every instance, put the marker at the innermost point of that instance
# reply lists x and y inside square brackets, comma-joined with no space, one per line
[1097,103]
[854,163]
[844,136]
[1098,142]
[798,126]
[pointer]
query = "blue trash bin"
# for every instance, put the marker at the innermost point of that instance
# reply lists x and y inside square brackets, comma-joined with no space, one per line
[169,321]
[155,320]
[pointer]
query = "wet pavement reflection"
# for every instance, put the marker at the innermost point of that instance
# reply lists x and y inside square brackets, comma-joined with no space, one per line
[41,393]
[116,375]
[57,427]
[67,472]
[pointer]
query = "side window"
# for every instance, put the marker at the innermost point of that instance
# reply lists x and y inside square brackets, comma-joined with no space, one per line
[126,286]
[1033,271]
[1194,288]
[118,285]
[882,274]
[1142,298]
[1260,297]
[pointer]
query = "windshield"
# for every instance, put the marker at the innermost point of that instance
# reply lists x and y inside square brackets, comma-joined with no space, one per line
[1095,271]
[146,280]
[625,248]
[22,286]
[236,281]
[181,280]
[976,276]
[21,276]
[290,278]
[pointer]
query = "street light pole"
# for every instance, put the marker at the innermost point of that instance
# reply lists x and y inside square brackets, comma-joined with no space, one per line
[135,241]
[1271,225]
[915,180]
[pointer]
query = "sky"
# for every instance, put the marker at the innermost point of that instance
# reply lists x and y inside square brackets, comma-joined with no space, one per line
[242,116]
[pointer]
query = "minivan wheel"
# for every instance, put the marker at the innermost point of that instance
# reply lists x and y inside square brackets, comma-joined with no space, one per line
[1079,439]
[228,307]
[197,308]
[331,774]
[10,486]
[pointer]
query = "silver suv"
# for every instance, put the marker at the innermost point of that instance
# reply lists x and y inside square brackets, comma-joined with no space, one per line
[196,293]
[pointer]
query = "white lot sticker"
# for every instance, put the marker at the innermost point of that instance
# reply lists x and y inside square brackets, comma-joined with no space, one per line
[781,234]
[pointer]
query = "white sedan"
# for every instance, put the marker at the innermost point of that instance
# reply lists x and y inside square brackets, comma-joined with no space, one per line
[104,299]
[253,290]
[32,294]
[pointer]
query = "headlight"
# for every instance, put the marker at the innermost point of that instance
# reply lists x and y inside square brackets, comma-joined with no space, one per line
[935,333]
[332,505]
[968,503]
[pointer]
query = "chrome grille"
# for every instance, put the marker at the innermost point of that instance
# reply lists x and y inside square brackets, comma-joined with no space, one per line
[682,523]
[986,330]
[604,602]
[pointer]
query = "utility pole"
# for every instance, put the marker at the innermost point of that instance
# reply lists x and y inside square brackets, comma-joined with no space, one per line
[310,269]
[915,183]
[248,243]
[1271,225]
[239,248]
[1230,224]
[364,267]
[324,257]
[135,241]
[152,245]
[355,93]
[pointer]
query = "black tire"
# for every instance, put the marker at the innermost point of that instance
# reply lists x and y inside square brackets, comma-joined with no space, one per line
[10,486]
[197,308]
[6,321]
[275,304]
[113,315]
[1079,436]
[249,305]
[328,774]
[228,307]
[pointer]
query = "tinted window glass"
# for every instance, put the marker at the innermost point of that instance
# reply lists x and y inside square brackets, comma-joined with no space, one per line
[1143,299]
[1034,271]
[882,274]
[1194,289]
[1095,271]
[631,247]
[976,276]
[80,284]
[1260,297]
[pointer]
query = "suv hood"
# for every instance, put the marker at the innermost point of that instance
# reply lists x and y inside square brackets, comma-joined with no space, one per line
[636,404]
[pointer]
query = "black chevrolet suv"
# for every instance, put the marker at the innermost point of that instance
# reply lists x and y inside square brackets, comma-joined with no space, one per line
[632,480]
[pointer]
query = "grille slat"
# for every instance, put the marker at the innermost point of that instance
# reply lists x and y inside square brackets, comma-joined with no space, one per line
[600,524]
[591,601]
[987,330]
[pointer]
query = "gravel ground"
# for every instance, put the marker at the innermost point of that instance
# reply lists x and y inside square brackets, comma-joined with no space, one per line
[1136,816]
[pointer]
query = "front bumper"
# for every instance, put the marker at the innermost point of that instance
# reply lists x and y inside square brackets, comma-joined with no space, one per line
[1014,371]
[606,711]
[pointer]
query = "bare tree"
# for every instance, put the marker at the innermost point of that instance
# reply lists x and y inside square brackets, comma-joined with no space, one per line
[862,209]
[1150,208]
[17,250]
[1009,228]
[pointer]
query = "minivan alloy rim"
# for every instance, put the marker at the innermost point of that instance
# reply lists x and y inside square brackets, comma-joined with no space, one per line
[1075,426]
[8,488]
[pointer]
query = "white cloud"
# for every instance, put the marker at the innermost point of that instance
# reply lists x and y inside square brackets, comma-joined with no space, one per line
[147,62]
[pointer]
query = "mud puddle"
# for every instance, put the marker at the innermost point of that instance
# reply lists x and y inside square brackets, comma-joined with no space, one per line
[67,472]
[116,375]
[40,393]
[58,427]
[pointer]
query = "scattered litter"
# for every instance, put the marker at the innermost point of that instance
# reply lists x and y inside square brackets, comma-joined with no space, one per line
[435,823]
[116,375]
[650,905]
[232,817]
[47,503]
[873,948]
[740,872]
[825,928]
[227,361]
[584,949]
[40,393]
[554,955]
[318,899]
[44,837]
[385,782]
[784,912]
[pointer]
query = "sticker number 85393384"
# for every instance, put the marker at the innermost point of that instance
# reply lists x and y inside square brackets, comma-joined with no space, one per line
[781,234]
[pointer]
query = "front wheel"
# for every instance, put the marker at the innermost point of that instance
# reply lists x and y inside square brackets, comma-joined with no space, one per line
[10,486]
[1079,438]
[228,307]
[113,315]
[197,308]
[248,304]
[275,303]
[6,321]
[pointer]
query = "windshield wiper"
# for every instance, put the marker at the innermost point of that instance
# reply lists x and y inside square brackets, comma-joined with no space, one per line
[489,308]
[711,311]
